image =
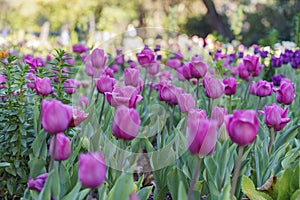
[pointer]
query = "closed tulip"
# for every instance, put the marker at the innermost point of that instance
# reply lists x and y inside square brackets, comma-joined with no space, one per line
[214,88]
[132,77]
[243,72]
[285,94]
[218,114]
[98,58]
[56,116]
[230,86]
[123,95]
[186,102]
[275,117]
[153,68]
[62,148]
[43,86]
[169,93]
[195,114]
[252,64]
[126,123]
[202,137]
[185,70]
[91,169]
[198,67]
[70,86]
[105,84]
[242,126]
[173,63]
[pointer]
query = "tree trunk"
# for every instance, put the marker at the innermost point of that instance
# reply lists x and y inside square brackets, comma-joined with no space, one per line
[216,21]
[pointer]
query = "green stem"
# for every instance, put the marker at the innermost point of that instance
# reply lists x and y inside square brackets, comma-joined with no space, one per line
[230,104]
[271,140]
[102,109]
[172,112]
[258,104]
[53,154]
[197,92]
[236,171]
[39,123]
[195,177]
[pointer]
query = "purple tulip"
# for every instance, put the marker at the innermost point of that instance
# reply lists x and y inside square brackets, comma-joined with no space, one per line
[178,55]
[132,77]
[70,86]
[173,63]
[242,126]
[243,72]
[198,67]
[78,116]
[165,75]
[98,58]
[43,86]
[115,68]
[275,117]
[62,148]
[214,88]
[168,92]
[202,136]
[37,183]
[276,62]
[276,79]
[79,48]
[30,81]
[56,116]
[145,57]
[89,69]
[2,81]
[263,54]
[186,102]
[218,114]
[123,95]
[107,71]
[153,68]
[185,71]
[120,59]
[105,84]
[34,63]
[132,64]
[91,169]
[126,123]
[285,94]
[83,101]
[252,65]
[261,88]
[133,196]
[230,85]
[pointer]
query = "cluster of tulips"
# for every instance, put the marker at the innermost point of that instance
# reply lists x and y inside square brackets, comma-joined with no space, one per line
[206,97]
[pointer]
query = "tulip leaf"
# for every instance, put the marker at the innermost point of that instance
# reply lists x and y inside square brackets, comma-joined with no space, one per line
[296,195]
[287,136]
[4,164]
[74,192]
[182,192]
[284,188]
[102,192]
[144,193]
[83,193]
[55,188]
[174,177]
[123,187]
[248,188]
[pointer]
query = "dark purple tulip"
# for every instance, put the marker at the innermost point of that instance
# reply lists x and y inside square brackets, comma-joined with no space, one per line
[276,79]
[252,64]
[79,48]
[263,54]
[185,70]
[276,62]
[243,72]
[37,183]
[132,64]
[241,54]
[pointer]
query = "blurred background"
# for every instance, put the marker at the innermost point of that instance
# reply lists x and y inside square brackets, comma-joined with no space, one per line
[51,23]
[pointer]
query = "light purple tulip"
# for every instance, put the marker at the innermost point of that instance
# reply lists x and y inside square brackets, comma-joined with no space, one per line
[98,58]
[43,86]
[153,68]
[62,148]
[123,95]
[168,92]
[173,63]
[70,86]
[91,169]
[145,57]
[218,114]
[214,88]
[126,123]
[285,94]
[242,126]
[30,81]
[105,84]
[56,116]
[132,77]
[83,101]
[186,102]
[262,88]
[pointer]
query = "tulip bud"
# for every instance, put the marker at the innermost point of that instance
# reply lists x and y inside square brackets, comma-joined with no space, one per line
[126,123]
[62,148]
[242,126]
[56,116]
[91,169]
[186,102]
[43,86]
[98,58]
